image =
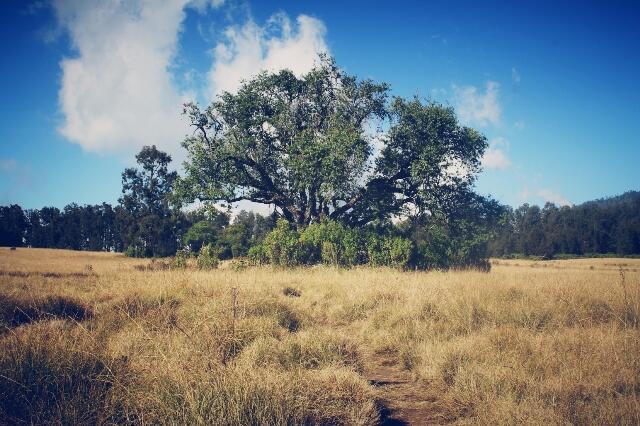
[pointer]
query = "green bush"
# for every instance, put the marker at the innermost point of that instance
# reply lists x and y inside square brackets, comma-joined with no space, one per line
[458,244]
[469,247]
[354,248]
[200,234]
[282,244]
[207,259]
[332,243]
[434,251]
[323,242]
[400,251]
[179,260]
[376,253]
[330,253]
[386,250]
[133,251]
[258,255]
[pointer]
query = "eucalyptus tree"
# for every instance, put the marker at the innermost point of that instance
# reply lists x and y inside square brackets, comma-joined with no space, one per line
[149,225]
[304,145]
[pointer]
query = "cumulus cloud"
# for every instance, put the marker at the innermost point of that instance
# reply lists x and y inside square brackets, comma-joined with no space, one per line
[475,107]
[494,157]
[119,92]
[280,44]
[546,195]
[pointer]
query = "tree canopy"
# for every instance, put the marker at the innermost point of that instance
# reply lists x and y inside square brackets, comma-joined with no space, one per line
[305,145]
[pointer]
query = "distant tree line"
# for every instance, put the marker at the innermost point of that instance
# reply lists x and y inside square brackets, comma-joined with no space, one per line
[143,224]
[606,226]
[103,227]
[90,227]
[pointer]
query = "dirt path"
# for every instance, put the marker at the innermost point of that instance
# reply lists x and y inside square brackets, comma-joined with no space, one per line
[403,400]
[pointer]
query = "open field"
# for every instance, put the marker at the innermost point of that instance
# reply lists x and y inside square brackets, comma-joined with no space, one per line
[91,338]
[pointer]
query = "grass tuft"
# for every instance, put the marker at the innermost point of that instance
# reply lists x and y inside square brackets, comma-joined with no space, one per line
[16,311]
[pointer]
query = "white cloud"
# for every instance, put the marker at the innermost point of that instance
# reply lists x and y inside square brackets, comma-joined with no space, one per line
[494,157]
[118,92]
[474,107]
[515,75]
[251,48]
[546,195]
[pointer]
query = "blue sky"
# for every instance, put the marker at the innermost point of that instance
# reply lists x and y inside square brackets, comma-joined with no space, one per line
[553,85]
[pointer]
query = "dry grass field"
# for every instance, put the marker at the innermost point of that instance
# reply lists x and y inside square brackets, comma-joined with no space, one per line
[95,338]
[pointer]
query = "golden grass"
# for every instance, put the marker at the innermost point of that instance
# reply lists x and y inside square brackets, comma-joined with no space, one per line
[530,342]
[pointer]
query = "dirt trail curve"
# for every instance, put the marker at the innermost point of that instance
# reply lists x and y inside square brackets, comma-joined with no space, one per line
[403,400]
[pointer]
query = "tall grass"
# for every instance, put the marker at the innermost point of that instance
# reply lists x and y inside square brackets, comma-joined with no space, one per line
[533,344]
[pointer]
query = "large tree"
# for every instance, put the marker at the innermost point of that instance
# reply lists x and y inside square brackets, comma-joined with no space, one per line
[304,145]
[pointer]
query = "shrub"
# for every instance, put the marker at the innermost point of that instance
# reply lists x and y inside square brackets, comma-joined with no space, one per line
[330,253]
[400,251]
[376,253]
[207,259]
[200,234]
[325,242]
[130,251]
[258,255]
[459,244]
[383,250]
[332,243]
[354,248]
[135,251]
[238,265]
[179,260]
[281,245]
[433,252]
